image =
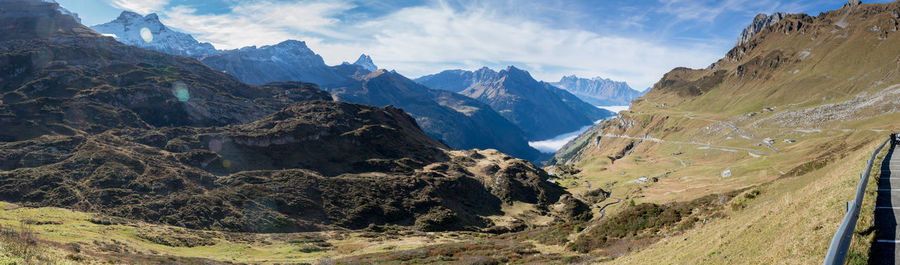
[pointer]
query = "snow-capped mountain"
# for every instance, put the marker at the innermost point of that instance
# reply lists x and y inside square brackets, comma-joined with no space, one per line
[289,60]
[366,62]
[149,33]
[599,91]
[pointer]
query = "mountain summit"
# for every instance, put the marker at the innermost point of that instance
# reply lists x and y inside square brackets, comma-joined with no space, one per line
[149,33]
[366,62]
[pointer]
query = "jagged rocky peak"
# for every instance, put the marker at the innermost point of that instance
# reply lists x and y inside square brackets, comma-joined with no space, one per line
[366,62]
[149,33]
[516,73]
[853,3]
[759,23]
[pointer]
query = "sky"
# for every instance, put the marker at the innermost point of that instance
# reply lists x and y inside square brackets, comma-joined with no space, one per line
[636,41]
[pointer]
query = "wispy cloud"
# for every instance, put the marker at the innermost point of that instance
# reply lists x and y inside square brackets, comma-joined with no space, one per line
[710,10]
[140,6]
[422,40]
[260,23]
[427,38]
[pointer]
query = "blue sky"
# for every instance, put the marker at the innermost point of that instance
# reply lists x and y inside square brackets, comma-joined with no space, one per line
[636,41]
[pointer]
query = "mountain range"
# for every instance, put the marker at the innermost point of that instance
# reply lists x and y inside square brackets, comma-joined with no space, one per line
[289,60]
[540,109]
[114,153]
[460,121]
[99,126]
[599,91]
[457,121]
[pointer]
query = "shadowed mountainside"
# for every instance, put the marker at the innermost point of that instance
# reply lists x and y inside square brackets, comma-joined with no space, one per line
[100,126]
[540,109]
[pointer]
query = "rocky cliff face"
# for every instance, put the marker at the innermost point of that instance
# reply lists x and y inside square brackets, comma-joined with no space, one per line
[149,33]
[599,91]
[96,125]
[759,23]
[540,109]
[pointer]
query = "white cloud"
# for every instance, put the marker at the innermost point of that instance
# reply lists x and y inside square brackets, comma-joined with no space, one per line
[142,7]
[708,11]
[423,40]
[426,39]
[259,23]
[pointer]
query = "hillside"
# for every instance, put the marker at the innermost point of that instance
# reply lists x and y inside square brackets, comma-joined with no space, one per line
[457,120]
[103,127]
[540,109]
[821,87]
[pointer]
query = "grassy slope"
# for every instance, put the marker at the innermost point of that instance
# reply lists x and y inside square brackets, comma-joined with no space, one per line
[102,239]
[803,186]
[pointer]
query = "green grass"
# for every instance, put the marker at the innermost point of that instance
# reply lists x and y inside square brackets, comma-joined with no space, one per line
[101,241]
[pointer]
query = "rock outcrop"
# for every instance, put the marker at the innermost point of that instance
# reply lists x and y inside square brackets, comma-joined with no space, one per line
[760,22]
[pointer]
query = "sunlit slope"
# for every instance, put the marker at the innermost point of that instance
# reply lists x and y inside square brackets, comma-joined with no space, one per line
[824,89]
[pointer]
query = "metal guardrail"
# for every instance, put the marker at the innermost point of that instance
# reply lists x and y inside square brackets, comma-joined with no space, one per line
[840,243]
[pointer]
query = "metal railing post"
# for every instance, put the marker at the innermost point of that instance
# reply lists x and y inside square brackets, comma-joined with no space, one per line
[840,243]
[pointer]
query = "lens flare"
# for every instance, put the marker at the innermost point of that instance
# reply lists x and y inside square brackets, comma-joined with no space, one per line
[181,91]
[146,35]
[215,145]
